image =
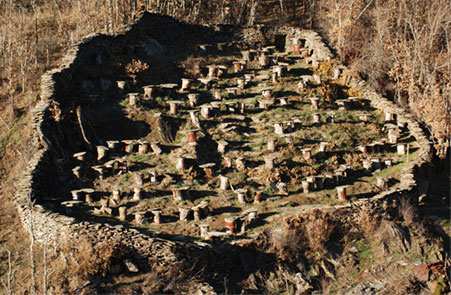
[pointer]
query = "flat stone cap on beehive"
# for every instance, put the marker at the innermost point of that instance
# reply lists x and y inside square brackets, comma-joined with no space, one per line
[168,85]
[207,165]
[79,154]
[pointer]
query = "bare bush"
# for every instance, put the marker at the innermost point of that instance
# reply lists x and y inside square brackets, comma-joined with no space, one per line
[408,211]
[313,231]
[286,242]
[392,233]
[319,228]
[368,222]
[97,259]
[168,280]
[8,286]
[87,259]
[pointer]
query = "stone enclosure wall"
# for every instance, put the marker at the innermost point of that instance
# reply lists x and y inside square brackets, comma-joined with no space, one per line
[56,86]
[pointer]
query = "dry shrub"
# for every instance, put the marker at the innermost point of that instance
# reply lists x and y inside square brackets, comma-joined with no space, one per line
[390,232]
[97,259]
[330,91]
[167,280]
[80,261]
[193,65]
[136,66]
[86,258]
[325,68]
[286,242]
[313,231]
[368,222]
[151,283]
[408,211]
[319,228]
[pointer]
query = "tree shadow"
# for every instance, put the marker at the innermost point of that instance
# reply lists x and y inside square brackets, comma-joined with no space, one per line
[225,209]
[300,72]
[138,166]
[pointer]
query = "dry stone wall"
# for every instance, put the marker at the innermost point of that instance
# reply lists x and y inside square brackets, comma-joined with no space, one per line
[263,35]
[52,227]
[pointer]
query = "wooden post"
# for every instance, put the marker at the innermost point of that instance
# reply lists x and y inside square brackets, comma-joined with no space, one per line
[401,149]
[208,169]
[137,192]
[222,145]
[143,147]
[271,144]
[193,99]
[316,118]
[184,211]
[116,195]
[230,224]
[278,128]
[341,192]
[122,213]
[191,135]
[80,156]
[258,196]
[314,101]
[156,216]
[269,161]
[241,195]
[305,186]
[156,148]
[224,182]
[138,178]
[140,217]
[204,229]
[185,84]
[307,153]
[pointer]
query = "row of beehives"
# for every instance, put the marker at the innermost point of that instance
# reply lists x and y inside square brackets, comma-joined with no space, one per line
[215,72]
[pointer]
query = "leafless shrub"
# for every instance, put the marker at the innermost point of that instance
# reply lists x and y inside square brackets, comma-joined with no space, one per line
[286,242]
[319,228]
[312,231]
[8,286]
[86,258]
[368,222]
[152,283]
[97,259]
[408,211]
[78,262]
[392,233]
[164,280]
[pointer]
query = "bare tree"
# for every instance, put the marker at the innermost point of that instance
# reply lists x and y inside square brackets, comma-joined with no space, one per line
[32,240]
[10,279]
[45,274]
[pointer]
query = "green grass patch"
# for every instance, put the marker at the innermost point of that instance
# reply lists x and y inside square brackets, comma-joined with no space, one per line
[137,158]
[395,168]
[365,253]
[124,103]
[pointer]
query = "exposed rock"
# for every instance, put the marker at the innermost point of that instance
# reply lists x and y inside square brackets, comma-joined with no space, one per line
[131,266]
